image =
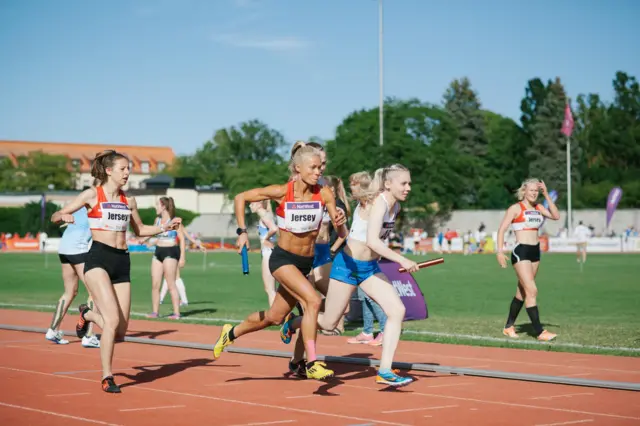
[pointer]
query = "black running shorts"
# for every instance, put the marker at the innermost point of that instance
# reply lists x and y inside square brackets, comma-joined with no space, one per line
[280,257]
[523,252]
[115,262]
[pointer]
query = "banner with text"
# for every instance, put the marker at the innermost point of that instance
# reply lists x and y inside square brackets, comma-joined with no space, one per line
[408,290]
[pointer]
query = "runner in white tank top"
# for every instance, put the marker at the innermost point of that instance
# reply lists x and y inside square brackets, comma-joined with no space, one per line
[525,218]
[267,231]
[357,264]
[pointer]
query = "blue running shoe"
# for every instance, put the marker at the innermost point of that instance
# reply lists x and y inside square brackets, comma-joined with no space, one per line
[390,378]
[286,332]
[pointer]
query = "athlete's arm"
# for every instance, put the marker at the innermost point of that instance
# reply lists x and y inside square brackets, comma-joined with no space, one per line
[65,214]
[552,212]
[142,230]
[183,244]
[271,192]
[268,222]
[190,238]
[509,215]
[337,216]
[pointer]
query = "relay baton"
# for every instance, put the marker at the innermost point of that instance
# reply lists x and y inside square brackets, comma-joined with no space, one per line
[245,260]
[426,264]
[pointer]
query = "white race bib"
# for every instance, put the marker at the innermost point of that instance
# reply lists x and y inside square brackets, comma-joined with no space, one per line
[115,216]
[301,217]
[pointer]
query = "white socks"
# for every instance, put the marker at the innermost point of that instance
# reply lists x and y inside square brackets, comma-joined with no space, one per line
[182,291]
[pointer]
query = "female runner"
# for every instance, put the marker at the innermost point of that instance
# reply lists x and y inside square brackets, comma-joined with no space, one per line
[107,267]
[525,218]
[296,363]
[73,249]
[301,202]
[357,264]
[182,288]
[267,230]
[168,257]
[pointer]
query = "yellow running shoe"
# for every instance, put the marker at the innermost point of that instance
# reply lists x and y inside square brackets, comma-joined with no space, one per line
[223,341]
[318,371]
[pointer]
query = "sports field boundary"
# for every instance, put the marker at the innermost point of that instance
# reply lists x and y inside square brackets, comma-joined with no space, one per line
[532,343]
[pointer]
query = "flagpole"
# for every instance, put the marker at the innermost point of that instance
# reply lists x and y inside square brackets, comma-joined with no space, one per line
[567,130]
[569,213]
[380,72]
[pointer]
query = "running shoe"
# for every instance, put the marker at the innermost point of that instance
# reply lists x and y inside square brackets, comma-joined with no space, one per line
[56,337]
[286,332]
[223,341]
[109,385]
[316,370]
[298,369]
[82,326]
[91,341]
[362,338]
[510,332]
[378,340]
[546,336]
[390,378]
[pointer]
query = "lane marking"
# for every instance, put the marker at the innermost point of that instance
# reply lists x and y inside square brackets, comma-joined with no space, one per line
[567,423]
[568,395]
[71,394]
[419,409]
[51,413]
[152,408]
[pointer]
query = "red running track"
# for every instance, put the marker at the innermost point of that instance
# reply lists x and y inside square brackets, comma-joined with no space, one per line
[50,384]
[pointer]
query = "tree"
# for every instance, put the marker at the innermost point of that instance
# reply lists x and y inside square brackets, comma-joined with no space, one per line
[506,162]
[463,105]
[234,156]
[35,172]
[547,152]
[418,136]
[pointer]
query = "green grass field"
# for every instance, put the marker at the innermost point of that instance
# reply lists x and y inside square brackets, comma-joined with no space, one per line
[594,311]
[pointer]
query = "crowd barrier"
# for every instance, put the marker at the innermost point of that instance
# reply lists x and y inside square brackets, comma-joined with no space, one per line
[620,244]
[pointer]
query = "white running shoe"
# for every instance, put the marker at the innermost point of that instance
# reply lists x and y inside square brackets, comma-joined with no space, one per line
[91,342]
[56,337]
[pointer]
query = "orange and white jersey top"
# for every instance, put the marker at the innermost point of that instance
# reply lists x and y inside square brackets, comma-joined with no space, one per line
[528,220]
[299,217]
[109,215]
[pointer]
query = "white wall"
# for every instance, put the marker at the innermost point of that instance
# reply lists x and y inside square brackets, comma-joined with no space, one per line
[464,220]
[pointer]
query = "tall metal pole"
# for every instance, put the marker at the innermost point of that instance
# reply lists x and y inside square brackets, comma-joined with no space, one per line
[569,218]
[569,212]
[381,72]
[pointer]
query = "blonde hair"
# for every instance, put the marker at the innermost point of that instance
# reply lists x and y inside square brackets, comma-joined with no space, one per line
[336,184]
[385,175]
[366,187]
[299,154]
[523,188]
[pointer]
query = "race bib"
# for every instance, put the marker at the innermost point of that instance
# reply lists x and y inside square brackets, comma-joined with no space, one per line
[387,227]
[301,217]
[115,216]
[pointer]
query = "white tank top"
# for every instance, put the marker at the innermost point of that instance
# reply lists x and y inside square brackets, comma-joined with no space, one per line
[170,236]
[358,230]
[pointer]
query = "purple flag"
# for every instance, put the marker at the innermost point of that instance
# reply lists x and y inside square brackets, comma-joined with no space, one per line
[43,209]
[408,290]
[612,202]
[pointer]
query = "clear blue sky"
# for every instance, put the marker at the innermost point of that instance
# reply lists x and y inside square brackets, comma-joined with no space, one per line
[171,72]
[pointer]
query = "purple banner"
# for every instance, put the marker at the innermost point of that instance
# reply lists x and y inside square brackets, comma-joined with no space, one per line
[612,202]
[43,210]
[408,290]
